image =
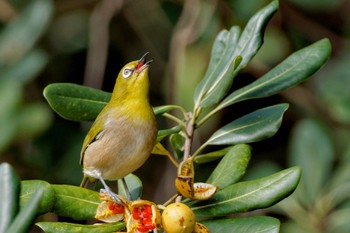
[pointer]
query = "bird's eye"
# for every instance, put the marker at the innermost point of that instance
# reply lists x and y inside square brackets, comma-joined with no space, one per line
[127,72]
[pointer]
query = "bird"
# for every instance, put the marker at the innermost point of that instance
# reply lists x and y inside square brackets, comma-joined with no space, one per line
[124,133]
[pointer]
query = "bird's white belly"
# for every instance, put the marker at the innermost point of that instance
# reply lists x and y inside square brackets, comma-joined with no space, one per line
[119,151]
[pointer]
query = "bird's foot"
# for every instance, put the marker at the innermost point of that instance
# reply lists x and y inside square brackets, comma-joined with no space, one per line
[109,192]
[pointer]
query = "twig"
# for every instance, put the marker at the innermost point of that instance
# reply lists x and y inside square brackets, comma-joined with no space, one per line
[189,136]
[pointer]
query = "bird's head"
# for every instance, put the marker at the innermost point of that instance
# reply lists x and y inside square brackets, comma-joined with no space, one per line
[133,80]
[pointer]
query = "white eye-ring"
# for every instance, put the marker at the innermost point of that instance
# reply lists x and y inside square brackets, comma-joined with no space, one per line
[127,72]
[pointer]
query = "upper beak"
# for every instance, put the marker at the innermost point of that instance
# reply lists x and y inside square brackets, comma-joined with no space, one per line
[142,63]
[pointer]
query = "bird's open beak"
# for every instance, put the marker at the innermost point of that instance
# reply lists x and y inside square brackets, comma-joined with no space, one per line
[142,63]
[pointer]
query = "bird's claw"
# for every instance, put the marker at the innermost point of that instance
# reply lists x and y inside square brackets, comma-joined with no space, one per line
[111,194]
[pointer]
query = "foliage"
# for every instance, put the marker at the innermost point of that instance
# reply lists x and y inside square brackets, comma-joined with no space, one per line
[232,51]
[20,61]
[320,203]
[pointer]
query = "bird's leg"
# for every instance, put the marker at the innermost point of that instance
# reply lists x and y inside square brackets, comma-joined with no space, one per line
[127,192]
[109,191]
[97,175]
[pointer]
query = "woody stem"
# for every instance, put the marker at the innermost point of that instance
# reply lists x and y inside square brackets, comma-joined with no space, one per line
[189,136]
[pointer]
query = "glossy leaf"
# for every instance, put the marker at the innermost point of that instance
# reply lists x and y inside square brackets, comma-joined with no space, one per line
[177,142]
[211,156]
[260,224]
[75,102]
[159,149]
[162,133]
[28,190]
[27,215]
[75,202]
[63,227]
[220,64]
[9,190]
[232,167]
[250,195]
[312,149]
[19,36]
[159,110]
[219,77]
[81,103]
[134,185]
[253,127]
[295,69]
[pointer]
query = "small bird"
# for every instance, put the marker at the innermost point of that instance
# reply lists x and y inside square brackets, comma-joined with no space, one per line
[124,133]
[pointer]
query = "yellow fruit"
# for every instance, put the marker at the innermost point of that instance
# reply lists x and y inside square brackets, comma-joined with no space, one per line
[178,218]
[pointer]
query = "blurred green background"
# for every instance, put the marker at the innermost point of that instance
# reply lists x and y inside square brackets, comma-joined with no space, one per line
[88,41]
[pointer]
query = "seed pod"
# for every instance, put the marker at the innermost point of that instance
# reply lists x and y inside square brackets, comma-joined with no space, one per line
[185,185]
[144,217]
[200,228]
[178,218]
[110,211]
[203,191]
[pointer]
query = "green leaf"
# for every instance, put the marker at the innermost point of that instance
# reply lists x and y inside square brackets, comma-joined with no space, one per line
[177,142]
[28,190]
[9,186]
[220,62]
[311,148]
[27,68]
[292,227]
[233,58]
[166,132]
[250,195]
[134,185]
[262,168]
[10,98]
[80,103]
[33,119]
[259,224]
[20,35]
[26,216]
[211,156]
[160,110]
[11,95]
[339,186]
[232,167]
[338,220]
[75,202]
[75,102]
[253,127]
[62,227]
[295,69]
